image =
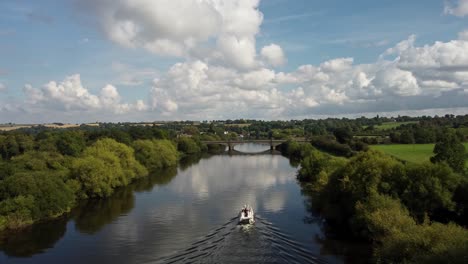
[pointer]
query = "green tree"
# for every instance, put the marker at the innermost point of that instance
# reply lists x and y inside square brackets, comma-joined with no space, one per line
[156,154]
[343,135]
[187,145]
[407,137]
[71,143]
[191,130]
[449,149]
[34,195]
[106,165]
[97,174]
[429,188]
[15,144]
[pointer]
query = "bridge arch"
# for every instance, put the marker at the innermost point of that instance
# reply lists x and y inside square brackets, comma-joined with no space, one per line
[231,143]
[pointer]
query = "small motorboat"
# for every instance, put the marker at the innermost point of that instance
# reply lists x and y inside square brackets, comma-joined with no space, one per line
[246,215]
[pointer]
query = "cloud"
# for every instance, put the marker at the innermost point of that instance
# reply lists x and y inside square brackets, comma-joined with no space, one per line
[255,80]
[417,77]
[206,29]
[70,95]
[291,17]
[394,81]
[195,89]
[459,9]
[3,87]
[273,54]
[463,35]
[337,65]
[132,76]
[406,77]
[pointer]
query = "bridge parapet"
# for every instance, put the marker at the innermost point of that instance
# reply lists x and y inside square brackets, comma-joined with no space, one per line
[231,143]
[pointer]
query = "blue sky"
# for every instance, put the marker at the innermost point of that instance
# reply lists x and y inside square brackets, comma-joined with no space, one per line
[81,61]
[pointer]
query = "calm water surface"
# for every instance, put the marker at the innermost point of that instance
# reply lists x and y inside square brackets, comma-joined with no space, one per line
[187,215]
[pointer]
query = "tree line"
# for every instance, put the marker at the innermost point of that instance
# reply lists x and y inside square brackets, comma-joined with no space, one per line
[44,174]
[411,213]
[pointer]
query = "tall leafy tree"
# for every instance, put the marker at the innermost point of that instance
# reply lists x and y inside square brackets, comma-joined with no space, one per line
[450,150]
[155,154]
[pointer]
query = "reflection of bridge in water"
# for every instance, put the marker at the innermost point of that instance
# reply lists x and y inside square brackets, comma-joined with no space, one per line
[231,143]
[234,152]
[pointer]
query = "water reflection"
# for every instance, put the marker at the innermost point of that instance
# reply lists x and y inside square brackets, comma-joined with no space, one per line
[166,213]
[334,241]
[33,240]
[158,177]
[89,217]
[94,214]
[251,147]
[189,161]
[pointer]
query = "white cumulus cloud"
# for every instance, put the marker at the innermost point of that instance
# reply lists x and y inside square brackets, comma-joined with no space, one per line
[71,95]
[183,28]
[273,54]
[406,77]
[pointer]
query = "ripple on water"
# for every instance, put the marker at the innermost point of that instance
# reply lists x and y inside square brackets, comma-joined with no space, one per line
[232,243]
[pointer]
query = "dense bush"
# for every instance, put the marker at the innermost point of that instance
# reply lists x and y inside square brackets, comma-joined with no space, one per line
[316,167]
[104,166]
[47,182]
[331,146]
[399,239]
[392,204]
[450,150]
[187,145]
[155,154]
[37,187]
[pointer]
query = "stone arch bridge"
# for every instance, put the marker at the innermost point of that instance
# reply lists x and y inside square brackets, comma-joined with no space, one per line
[231,143]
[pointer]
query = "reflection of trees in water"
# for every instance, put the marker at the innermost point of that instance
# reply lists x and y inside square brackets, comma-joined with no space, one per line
[336,240]
[91,216]
[188,161]
[33,240]
[158,177]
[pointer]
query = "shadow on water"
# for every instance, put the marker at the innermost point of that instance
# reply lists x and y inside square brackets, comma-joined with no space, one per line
[158,177]
[189,161]
[262,242]
[335,240]
[90,216]
[33,240]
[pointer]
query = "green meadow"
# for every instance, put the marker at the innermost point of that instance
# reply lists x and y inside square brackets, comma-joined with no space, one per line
[411,152]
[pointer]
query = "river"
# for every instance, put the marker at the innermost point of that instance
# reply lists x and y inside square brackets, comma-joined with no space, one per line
[188,215]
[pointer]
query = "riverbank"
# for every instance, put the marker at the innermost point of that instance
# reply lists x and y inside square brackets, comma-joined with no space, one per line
[41,185]
[185,216]
[396,207]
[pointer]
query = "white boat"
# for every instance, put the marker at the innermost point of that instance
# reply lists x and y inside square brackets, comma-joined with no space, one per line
[246,215]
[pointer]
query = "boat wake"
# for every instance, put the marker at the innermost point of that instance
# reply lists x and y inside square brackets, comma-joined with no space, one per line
[233,243]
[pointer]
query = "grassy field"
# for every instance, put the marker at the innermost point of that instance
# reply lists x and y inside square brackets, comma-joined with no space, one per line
[414,152]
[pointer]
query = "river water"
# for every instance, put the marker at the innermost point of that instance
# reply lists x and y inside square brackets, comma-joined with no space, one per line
[188,215]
